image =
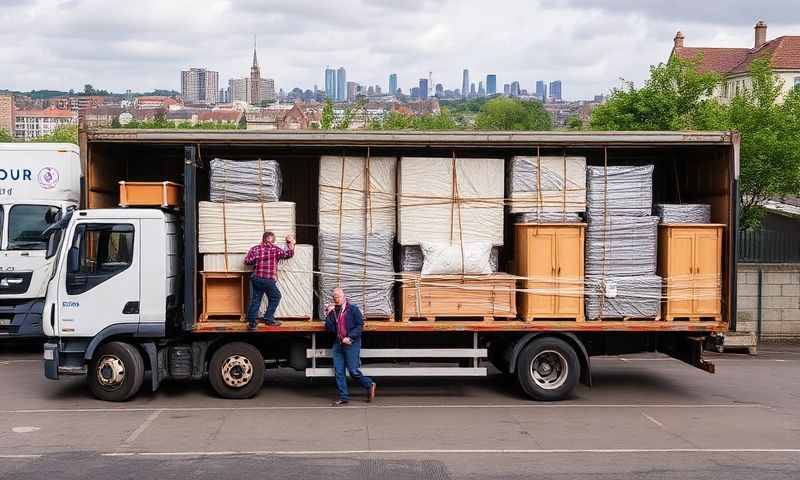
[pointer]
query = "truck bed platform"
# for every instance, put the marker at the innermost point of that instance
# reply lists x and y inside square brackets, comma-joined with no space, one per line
[477,326]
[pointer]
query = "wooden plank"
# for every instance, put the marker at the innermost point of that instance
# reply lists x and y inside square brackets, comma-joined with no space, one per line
[437,297]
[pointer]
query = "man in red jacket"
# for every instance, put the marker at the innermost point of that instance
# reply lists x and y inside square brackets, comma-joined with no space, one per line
[344,319]
[264,257]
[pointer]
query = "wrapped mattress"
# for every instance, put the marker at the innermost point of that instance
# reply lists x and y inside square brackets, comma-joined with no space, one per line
[629,189]
[245,180]
[362,266]
[629,296]
[295,279]
[548,217]
[683,213]
[438,204]
[411,258]
[562,181]
[235,227]
[351,204]
[617,246]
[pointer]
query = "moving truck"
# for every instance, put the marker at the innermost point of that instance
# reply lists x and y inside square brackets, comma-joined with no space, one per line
[38,183]
[124,298]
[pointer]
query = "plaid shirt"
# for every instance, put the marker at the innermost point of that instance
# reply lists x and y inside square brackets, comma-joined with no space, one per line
[265,258]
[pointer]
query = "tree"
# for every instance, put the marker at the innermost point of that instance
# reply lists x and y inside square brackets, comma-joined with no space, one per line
[504,113]
[5,137]
[88,89]
[400,121]
[574,122]
[63,134]
[667,101]
[115,123]
[326,119]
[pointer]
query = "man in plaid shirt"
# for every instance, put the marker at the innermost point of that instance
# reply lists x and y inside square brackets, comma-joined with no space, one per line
[264,257]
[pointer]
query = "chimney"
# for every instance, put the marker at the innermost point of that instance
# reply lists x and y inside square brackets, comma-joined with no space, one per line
[679,39]
[761,33]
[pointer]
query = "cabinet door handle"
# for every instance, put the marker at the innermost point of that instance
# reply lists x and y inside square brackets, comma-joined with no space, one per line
[559,270]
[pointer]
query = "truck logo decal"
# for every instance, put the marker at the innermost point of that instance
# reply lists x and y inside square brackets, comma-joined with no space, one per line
[48,177]
[70,304]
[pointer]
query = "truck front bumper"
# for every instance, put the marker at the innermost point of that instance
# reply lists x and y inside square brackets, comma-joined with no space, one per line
[21,318]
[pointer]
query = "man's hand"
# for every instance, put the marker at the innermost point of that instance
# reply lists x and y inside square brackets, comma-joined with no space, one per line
[347,341]
[290,239]
[328,308]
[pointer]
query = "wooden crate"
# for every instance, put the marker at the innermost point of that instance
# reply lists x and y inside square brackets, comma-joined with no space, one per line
[150,194]
[434,297]
[224,296]
[690,262]
[550,258]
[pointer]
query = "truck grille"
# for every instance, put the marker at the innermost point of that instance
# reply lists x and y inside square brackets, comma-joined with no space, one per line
[14,283]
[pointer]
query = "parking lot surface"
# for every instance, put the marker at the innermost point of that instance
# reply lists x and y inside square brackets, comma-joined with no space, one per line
[647,416]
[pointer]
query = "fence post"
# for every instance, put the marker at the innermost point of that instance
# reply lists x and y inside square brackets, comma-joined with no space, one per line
[758,307]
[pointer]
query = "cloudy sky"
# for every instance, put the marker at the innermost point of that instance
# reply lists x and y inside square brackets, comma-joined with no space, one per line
[143,44]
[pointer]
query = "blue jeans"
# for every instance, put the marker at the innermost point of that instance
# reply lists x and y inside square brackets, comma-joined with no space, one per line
[258,288]
[349,357]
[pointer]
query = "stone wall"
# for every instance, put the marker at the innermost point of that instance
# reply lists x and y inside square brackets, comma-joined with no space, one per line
[780,299]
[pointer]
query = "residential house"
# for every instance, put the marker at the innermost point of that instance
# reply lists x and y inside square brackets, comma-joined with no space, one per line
[30,124]
[734,63]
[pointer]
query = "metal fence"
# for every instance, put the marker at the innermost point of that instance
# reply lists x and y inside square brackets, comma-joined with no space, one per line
[768,246]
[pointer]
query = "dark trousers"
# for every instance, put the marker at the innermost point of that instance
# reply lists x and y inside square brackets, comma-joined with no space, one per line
[348,357]
[258,288]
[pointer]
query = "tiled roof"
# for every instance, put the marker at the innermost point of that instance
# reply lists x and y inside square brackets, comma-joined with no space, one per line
[47,113]
[784,54]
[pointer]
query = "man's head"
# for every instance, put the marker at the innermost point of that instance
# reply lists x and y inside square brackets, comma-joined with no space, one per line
[268,238]
[338,296]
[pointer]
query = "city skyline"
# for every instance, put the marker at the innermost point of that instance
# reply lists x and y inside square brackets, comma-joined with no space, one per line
[599,42]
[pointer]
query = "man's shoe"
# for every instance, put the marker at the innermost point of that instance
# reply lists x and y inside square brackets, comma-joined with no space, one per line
[339,403]
[272,323]
[252,326]
[372,392]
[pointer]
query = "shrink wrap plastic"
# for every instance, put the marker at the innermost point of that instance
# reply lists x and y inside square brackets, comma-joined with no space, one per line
[630,191]
[245,180]
[562,181]
[235,227]
[637,296]
[621,246]
[683,213]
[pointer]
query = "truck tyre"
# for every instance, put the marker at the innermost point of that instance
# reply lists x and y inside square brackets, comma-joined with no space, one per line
[116,372]
[548,369]
[236,370]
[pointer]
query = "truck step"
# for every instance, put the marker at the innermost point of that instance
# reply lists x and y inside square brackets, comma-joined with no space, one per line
[407,353]
[406,372]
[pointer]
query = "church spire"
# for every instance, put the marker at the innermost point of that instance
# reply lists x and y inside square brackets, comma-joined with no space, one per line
[255,59]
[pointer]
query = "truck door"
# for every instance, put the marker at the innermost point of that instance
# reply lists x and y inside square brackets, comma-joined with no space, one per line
[101,285]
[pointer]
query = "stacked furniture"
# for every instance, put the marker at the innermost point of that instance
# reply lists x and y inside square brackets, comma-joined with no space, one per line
[244,205]
[458,203]
[621,240]
[547,197]
[690,261]
[357,203]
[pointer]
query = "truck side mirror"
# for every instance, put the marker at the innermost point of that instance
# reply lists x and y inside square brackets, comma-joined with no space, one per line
[73,260]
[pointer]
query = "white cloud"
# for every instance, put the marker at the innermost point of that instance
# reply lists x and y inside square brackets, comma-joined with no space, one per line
[588,44]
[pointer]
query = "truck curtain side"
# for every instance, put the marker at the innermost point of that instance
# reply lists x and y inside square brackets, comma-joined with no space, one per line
[689,167]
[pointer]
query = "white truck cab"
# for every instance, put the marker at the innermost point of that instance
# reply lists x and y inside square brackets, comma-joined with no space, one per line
[39,182]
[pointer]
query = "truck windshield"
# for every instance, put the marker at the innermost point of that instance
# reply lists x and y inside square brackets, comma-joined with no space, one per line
[26,224]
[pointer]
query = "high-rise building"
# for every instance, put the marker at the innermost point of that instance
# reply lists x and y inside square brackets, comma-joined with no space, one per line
[253,89]
[491,84]
[330,83]
[393,84]
[221,96]
[472,91]
[423,88]
[199,85]
[481,91]
[238,89]
[341,84]
[439,90]
[555,90]
[515,89]
[506,89]
[541,90]
[7,123]
[378,90]
[465,83]
[352,90]
[414,92]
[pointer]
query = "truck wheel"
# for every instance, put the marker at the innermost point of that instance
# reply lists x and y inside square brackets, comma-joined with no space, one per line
[116,372]
[548,369]
[236,370]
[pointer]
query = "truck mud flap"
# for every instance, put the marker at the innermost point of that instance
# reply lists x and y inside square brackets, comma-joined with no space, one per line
[688,349]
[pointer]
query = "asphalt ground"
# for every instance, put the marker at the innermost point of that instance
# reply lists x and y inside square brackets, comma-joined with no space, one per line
[646,417]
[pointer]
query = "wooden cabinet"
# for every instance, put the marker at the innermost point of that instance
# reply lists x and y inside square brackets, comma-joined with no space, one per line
[690,263]
[150,194]
[224,296]
[550,258]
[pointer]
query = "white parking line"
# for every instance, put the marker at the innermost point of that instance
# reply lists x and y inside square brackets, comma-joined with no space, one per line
[385,407]
[659,424]
[17,457]
[453,451]
[133,436]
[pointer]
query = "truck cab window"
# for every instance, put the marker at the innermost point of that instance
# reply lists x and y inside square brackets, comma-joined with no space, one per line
[98,252]
[26,224]
[2,217]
